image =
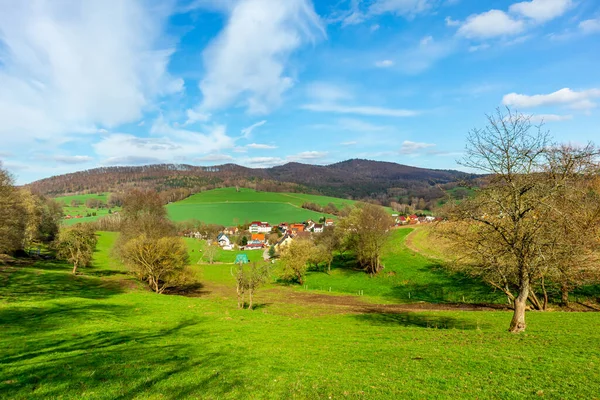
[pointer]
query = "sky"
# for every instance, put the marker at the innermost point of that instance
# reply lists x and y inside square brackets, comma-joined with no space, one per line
[97,83]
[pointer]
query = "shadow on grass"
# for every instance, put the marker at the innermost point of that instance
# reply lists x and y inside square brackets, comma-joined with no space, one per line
[121,364]
[49,280]
[409,319]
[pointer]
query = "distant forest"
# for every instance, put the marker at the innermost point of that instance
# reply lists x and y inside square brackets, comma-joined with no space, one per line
[379,182]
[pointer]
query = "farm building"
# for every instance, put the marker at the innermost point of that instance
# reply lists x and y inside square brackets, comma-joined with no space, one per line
[260,227]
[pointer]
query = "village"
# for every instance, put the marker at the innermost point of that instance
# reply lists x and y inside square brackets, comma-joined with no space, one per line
[260,235]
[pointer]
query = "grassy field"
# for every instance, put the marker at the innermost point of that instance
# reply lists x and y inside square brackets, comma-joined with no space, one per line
[101,335]
[229,207]
[82,209]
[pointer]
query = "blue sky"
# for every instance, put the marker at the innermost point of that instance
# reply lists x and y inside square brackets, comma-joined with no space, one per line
[86,84]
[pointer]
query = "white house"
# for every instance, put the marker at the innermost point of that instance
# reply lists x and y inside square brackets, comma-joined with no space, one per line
[318,228]
[260,227]
[223,240]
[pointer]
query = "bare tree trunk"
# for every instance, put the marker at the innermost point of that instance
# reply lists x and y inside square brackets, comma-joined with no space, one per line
[517,324]
[564,295]
[74,268]
[250,292]
[239,295]
[535,302]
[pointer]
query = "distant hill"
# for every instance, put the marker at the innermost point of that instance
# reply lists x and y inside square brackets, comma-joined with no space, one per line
[356,179]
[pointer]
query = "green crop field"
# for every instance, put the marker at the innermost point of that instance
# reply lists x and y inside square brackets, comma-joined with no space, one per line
[82,209]
[102,335]
[229,207]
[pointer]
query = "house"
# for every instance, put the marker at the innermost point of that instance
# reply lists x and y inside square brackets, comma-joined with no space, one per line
[253,246]
[402,220]
[295,228]
[283,242]
[318,228]
[259,227]
[329,222]
[224,240]
[257,238]
[283,227]
[429,218]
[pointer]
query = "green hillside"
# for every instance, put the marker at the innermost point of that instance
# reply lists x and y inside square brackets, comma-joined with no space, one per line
[102,335]
[82,209]
[229,207]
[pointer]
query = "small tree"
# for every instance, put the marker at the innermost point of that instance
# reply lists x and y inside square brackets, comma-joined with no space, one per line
[248,280]
[76,245]
[295,258]
[158,261]
[210,251]
[272,252]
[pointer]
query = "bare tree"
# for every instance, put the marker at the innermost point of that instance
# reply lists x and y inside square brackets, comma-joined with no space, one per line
[366,230]
[210,251]
[158,261]
[248,280]
[504,229]
[76,245]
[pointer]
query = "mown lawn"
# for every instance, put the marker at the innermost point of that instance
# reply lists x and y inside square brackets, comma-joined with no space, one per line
[95,336]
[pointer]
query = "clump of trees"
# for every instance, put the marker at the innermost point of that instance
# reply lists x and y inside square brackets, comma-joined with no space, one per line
[26,219]
[532,227]
[248,280]
[364,232]
[294,260]
[148,244]
[76,245]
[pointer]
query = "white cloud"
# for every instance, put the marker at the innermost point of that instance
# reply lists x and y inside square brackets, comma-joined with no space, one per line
[260,146]
[375,27]
[567,97]
[541,10]
[550,117]
[307,155]
[247,62]
[350,143]
[168,144]
[194,116]
[246,132]
[452,22]
[72,159]
[590,26]
[70,66]
[490,24]
[384,63]
[409,147]
[216,157]
[360,110]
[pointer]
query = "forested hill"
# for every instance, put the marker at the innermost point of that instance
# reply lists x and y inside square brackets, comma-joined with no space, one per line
[353,178]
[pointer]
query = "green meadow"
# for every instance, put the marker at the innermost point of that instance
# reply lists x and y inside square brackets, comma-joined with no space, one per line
[102,335]
[82,209]
[229,207]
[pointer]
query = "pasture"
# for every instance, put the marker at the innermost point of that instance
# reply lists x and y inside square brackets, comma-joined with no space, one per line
[228,207]
[102,335]
[81,209]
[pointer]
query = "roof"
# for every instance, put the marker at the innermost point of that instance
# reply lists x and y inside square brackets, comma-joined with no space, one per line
[258,236]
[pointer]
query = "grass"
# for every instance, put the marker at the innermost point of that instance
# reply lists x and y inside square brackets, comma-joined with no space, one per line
[229,207]
[82,209]
[408,277]
[94,336]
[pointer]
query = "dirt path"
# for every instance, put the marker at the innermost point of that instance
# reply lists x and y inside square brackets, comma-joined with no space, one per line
[340,304]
